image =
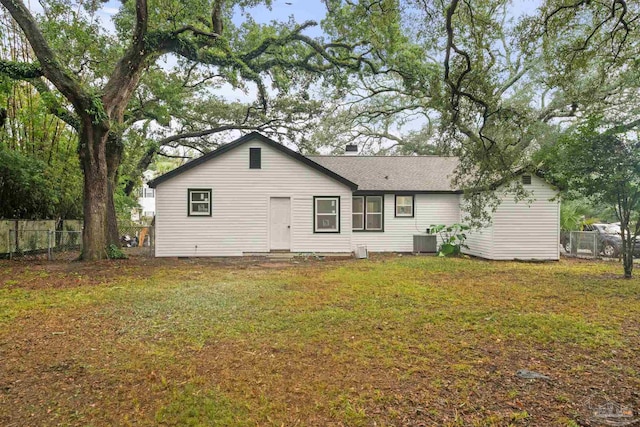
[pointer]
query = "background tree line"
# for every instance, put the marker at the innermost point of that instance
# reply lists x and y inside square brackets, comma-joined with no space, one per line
[40,176]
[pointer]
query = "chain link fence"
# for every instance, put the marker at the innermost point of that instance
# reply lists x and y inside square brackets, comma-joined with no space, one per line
[138,240]
[587,244]
[66,245]
[43,244]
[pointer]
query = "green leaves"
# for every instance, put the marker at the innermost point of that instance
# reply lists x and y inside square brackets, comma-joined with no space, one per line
[592,161]
[20,70]
[27,189]
[452,238]
[602,162]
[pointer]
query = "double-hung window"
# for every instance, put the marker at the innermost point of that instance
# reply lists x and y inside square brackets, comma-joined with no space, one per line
[357,212]
[199,202]
[367,213]
[374,213]
[326,213]
[404,206]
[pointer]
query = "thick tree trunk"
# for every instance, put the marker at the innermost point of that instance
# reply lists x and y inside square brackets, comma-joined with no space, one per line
[96,190]
[627,255]
[623,213]
[627,261]
[114,157]
[112,219]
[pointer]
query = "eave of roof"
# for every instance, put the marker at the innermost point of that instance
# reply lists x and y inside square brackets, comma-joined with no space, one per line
[240,141]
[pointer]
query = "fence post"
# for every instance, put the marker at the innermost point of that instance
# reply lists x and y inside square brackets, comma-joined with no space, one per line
[9,243]
[16,225]
[570,242]
[49,257]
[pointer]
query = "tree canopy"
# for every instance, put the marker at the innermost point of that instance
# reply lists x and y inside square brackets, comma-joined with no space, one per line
[594,160]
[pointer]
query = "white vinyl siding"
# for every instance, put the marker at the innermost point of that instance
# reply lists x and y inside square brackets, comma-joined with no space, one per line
[480,242]
[520,230]
[240,216]
[429,209]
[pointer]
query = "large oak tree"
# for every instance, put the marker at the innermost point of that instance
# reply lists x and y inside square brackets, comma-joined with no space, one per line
[97,89]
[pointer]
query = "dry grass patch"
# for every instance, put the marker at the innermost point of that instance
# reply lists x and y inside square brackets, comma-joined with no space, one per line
[390,341]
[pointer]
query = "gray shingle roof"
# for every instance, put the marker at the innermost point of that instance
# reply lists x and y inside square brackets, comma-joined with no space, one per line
[394,173]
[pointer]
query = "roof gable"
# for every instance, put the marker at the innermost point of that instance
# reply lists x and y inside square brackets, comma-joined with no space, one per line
[240,141]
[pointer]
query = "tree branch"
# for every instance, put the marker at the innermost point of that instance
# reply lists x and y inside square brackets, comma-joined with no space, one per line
[53,105]
[20,70]
[205,132]
[51,68]
[128,70]
[276,41]
[32,73]
[622,128]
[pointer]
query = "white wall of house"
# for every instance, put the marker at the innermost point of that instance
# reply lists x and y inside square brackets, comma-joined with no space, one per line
[521,230]
[241,206]
[480,242]
[429,209]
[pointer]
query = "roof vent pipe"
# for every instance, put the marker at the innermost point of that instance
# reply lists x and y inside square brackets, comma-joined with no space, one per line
[351,150]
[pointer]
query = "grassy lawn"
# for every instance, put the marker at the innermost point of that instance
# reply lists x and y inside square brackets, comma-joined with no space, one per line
[389,341]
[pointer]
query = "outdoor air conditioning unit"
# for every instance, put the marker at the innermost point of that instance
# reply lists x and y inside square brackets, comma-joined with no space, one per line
[361,252]
[425,244]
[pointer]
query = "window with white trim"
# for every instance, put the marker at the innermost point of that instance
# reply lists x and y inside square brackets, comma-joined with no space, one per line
[326,214]
[199,202]
[373,218]
[357,212]
[404,206]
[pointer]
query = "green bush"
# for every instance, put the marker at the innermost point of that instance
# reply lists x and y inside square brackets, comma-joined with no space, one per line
[114,252]
[452,238]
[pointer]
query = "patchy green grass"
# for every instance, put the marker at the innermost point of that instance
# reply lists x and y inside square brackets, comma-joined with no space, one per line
[390,341]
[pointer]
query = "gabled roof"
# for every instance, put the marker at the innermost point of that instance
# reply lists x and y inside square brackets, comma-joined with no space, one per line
[411,174]
[240,141]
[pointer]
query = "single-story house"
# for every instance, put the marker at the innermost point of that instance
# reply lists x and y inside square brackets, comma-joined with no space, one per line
[256,196]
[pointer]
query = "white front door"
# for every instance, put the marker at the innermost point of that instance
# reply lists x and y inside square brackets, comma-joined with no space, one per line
[280,227]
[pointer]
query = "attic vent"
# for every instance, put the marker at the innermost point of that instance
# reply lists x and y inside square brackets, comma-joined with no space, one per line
[255,158]
[526,179]
[351,150]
